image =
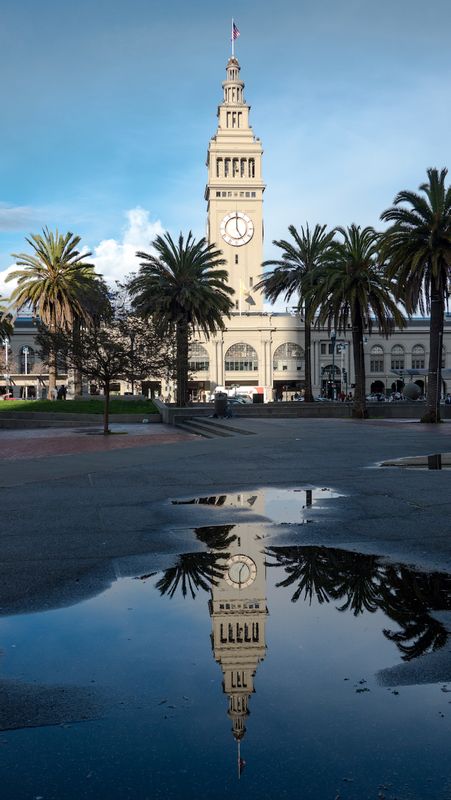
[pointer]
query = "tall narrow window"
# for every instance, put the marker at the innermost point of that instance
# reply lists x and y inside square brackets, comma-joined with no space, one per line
[228,119]
[252,168]
[226,167]
[251,282]
[219,167]
[239,118]
[242,167]
[236,259]
[235,167]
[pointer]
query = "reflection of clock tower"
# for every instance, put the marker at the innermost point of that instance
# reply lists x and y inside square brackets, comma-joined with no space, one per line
[238,611]
[235,192]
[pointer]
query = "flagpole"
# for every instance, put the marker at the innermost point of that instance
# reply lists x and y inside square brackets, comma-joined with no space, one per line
[233,41]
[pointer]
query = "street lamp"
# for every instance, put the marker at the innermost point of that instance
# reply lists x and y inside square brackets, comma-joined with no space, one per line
[6,373]
[25,351]
[333,338]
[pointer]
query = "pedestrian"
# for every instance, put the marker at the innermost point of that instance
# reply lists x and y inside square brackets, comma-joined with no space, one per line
[60,393]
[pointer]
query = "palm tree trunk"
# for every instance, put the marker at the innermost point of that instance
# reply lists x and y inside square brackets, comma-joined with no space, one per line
[432,412]
[182,342]
[308,360]
[359,410]
[106,408]
[52,374]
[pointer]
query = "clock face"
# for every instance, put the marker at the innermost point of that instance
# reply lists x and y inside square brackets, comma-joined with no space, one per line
[240,571]
[237,228]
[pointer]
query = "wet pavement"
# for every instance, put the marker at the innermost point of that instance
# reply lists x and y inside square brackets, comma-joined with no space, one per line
[244,668]
[335,572]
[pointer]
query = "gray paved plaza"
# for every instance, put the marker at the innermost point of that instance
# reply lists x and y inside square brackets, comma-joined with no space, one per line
[73,523]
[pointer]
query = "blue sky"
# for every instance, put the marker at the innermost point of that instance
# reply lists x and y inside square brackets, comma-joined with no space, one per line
[107,109]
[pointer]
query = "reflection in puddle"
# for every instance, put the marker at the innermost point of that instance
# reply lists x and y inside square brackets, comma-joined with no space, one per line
[277,505]
[434,461]
[306,639]
[353,582]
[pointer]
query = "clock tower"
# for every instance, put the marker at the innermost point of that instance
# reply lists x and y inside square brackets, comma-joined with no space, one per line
[238,612]
[234,193]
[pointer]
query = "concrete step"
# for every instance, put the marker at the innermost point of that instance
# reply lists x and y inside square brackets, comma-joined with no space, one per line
[211,428]
[202,428]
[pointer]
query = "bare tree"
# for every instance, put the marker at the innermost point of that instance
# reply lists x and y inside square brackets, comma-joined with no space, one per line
[121,348]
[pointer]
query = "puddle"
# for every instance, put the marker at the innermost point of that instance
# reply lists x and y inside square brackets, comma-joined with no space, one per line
[434,461]
[277,505]
[270,671]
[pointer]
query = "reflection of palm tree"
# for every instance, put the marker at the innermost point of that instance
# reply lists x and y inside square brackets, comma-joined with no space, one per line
[424,634]
[407,597]
[309,567]
[193,571]
[216,537]
[359,580]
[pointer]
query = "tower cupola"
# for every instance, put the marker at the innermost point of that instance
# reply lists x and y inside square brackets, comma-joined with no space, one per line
[233,86]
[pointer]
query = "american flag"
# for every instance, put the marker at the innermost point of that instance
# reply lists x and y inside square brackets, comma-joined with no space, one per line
[235,32]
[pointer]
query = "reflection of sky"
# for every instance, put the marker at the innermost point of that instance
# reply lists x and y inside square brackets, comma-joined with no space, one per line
[307,731]
[278,505]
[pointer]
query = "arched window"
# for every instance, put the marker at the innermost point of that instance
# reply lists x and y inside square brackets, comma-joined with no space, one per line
[241,357]
[377,358]
[288,357]
[198,358]
[418,356]
[397,357]
[26,360]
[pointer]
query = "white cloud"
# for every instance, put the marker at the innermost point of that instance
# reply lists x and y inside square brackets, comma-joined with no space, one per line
[116,258]
[18,218]
[6,288]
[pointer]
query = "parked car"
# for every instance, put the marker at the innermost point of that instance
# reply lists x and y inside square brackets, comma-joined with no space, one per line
[376,396]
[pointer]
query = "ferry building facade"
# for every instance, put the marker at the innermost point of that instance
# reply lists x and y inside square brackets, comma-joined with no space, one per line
[258,348]
[261,348]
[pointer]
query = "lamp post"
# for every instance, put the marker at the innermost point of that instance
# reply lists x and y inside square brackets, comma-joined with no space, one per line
[25,352]
[333,338]
[6,373]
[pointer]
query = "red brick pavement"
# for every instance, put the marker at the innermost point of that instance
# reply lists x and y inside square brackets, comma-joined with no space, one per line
[12,449]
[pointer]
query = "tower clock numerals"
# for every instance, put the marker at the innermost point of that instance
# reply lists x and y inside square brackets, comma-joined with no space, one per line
[237,228]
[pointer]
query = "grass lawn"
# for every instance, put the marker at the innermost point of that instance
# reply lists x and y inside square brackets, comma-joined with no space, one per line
[117,406]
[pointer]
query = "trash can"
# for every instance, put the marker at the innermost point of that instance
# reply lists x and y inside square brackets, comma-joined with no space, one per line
[220,404]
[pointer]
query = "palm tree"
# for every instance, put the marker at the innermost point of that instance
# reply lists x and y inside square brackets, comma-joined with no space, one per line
[300,259]
[184,288]
[418,251]
[351,288]
[6,323]
[192,572]
[57,282]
